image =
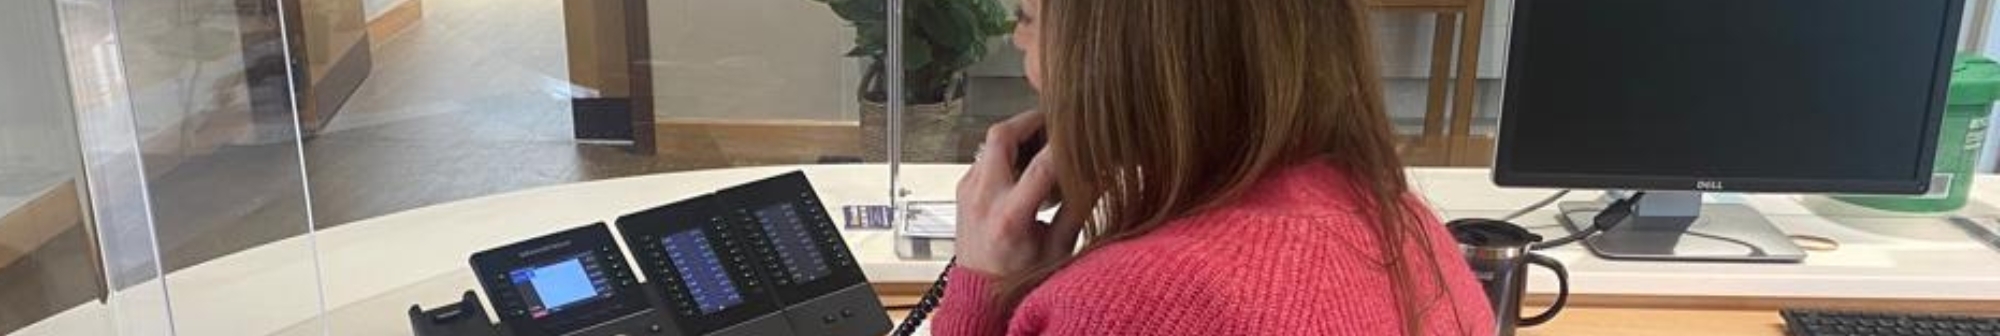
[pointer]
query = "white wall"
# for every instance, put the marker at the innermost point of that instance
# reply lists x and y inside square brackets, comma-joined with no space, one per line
[752,60]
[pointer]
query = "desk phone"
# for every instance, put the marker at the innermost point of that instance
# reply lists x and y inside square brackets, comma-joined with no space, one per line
[758,259]
[821,286]
[693,256]
[571,283]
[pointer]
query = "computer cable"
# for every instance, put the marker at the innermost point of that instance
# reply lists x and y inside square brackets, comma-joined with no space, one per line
[927,304]
[1609,218]
[1538,205]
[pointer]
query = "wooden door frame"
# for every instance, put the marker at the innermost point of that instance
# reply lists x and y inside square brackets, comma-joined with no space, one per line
[270,71]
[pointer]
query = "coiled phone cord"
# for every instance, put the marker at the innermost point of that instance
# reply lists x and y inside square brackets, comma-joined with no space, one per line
[927,304]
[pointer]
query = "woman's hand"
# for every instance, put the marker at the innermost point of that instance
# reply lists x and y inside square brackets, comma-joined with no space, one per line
[997,231]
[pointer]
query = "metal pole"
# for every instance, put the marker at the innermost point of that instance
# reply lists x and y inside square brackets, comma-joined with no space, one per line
[896,100]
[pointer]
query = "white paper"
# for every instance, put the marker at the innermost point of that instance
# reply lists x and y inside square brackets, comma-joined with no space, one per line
[931,220]
[939,219]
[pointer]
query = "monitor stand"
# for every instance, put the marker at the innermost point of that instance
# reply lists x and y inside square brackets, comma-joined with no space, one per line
[1676,226]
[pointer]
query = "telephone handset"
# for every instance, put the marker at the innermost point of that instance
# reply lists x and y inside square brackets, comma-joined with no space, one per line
[1024,154]
[1026,151]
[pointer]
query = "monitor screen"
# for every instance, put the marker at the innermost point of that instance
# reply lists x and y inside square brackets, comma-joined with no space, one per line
[800,253]
[553,287]
[1778,95]
[702,271]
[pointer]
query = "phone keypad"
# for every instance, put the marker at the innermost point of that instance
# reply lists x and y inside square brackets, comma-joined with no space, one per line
[829,236]
[760,241]
[731,252]
[617,265]
[507,302]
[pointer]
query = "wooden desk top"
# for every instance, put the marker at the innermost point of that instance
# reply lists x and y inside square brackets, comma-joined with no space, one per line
[1596,321]
[1637,322]
[1643,322]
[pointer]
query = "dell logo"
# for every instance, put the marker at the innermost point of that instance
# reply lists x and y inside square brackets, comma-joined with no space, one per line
[1708,185]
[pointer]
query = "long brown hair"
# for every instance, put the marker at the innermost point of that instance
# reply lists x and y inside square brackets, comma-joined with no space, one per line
[1159,109]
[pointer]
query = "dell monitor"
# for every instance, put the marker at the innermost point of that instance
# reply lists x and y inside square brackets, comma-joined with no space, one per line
[1681,97]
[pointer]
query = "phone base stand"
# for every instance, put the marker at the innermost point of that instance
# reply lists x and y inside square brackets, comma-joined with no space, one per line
[856,310]
[465,318]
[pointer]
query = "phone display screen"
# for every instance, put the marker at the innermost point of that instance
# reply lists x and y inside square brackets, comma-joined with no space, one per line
[702,271]
[797,249]
[552,287]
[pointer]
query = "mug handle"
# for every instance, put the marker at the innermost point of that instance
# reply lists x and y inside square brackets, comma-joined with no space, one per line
[1562,295]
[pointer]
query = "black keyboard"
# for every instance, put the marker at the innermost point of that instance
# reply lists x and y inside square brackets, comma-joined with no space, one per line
[1802,322]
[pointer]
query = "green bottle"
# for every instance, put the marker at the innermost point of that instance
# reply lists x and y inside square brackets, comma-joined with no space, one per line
[1975,85]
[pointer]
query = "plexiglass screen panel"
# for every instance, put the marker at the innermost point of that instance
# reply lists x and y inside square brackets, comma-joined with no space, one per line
[80,251]
[49,274]
[317,167]
[219,155]
[474,124]
[1421,48]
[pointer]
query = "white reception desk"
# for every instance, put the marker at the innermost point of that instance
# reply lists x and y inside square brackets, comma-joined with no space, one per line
[373,270]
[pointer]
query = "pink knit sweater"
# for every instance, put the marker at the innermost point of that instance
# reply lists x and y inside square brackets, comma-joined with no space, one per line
[1293,256]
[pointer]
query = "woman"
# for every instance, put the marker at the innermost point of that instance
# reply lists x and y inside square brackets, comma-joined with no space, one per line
[1231,169]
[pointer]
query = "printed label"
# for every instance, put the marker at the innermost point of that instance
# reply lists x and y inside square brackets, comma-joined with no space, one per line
[1940,186]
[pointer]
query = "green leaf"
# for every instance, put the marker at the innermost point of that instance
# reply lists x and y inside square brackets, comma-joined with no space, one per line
[860,10]
[916,53]
[994,18]
[871,38]
[937,22]
[941,39]
[970,56]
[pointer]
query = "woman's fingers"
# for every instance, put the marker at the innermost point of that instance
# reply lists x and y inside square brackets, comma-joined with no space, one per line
[1063,233]
[1035,186]
[997,207]
[1020,125]
[1004,139]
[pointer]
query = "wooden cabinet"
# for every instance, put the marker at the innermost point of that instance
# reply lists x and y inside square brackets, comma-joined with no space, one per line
[312,52]
[1447,138]
[609,48]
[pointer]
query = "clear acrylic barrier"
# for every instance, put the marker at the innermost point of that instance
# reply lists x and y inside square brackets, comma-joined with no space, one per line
[1420,51]
[61,235]
[202,169]
[221,136]
[317,167]
[487,123]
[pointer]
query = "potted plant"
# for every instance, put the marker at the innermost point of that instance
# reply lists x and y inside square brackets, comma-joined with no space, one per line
[941,38]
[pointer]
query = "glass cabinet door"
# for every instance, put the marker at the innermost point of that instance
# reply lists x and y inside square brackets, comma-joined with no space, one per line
[1441,68]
